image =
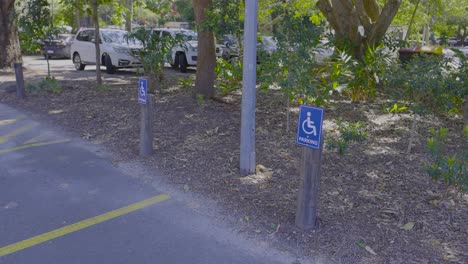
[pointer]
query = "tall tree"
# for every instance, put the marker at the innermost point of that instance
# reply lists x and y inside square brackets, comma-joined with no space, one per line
[9,42]
[128,14]
[206,60]
[92,7]
[97,39]
[358,23]
[35,20]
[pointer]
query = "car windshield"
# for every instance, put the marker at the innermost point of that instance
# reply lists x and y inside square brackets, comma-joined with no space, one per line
[63,37]
[187,34]
[119,37]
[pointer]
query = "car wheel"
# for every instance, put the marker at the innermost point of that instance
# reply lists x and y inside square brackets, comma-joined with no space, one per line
[77,61]
[110,69]
[175,65]
[182,62]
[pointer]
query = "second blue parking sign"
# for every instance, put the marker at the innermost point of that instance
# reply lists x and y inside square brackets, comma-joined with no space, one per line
[309,131]
[142,90]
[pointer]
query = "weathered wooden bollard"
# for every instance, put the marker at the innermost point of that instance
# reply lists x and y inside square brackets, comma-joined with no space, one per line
[146,125]
[19,80]
[309,135]
[307,201]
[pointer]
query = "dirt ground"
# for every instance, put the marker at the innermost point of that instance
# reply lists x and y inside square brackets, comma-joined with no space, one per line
[375,195]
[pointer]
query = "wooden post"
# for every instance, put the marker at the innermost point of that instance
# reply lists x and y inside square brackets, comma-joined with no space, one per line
[146,127]
[306,213]
[19,80]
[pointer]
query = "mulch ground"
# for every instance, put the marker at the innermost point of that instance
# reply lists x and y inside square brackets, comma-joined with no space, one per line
[375,195]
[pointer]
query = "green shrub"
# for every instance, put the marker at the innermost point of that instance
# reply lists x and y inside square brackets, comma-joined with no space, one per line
[428,84]
[155,53]
[229,75]
[451,169]
[186,83]
[48,84]
[349,132]
[364,75]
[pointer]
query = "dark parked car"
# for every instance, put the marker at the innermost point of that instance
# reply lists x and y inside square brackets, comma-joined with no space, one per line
[57,46]
[266,46]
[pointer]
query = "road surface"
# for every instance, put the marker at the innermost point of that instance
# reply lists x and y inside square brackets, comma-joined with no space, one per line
[61,202]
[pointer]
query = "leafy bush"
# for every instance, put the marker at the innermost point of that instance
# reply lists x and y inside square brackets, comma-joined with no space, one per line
[28,46]
[293,67]
[427,84]
[103,88]
[156,50]
[229,75]
[365,73]
[186,83]
[396,109]
[451,169]
[34,21]
[48,84]
[349,132]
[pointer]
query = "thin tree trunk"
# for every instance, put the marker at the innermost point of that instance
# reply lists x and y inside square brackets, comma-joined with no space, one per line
[465,110]
[412,133]
[77,20]
[9,42]
[288,114]
[48,66]
[408,32]
[97,42]
[206,59]
[129,15]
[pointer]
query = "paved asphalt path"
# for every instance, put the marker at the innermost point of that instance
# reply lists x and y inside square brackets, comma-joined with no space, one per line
[62,203]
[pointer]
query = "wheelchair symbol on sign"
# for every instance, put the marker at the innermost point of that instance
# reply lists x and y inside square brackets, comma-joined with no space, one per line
[308,126]
[142,90]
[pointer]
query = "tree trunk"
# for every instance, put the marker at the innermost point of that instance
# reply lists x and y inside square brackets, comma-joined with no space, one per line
[10,51]
[410,26]
[97,41]
[206,60]
[358,23]
[77,23]
[129,15]
[465,110]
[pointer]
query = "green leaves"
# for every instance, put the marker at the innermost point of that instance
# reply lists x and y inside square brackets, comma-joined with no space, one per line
[396,109]
[36,22]
[156,49]
[451,169]
[229,75]
[48,84]
[429,83]
[348,133]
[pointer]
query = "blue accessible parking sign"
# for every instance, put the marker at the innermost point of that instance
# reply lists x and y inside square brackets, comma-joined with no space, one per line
[309,131]
[142,90]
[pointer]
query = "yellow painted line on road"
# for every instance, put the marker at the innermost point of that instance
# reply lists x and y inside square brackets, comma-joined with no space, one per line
[5,122]
[37,139]
[80,225]
[2,151]
[15,133]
